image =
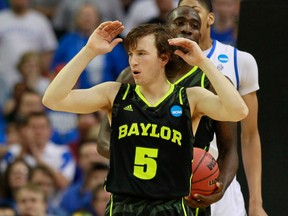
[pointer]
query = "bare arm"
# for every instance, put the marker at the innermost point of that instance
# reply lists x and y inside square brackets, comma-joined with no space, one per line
[60,94]
[227,105]
[251,155]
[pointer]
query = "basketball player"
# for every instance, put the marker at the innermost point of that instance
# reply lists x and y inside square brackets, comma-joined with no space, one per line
[186,23]
[242,70]
[147,118]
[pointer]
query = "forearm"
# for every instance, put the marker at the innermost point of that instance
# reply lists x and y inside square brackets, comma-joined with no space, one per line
[226,135]
[228,165]
[251,156]
[227,93]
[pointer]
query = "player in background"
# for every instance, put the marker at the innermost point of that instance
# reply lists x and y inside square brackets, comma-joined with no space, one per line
[241,68]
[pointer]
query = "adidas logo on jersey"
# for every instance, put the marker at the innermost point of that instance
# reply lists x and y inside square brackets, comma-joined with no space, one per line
[128,108]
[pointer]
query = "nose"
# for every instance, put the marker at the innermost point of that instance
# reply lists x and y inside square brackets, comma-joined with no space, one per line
[133,60]
[186,29]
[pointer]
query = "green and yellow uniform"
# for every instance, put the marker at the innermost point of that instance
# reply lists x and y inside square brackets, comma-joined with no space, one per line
[150,153]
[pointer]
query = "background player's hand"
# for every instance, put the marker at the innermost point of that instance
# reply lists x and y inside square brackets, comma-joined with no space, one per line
[200,201]
[193,54]
[103,39]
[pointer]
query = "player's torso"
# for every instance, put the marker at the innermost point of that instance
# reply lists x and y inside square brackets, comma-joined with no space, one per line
[151,147]
[224,58]
[205,130]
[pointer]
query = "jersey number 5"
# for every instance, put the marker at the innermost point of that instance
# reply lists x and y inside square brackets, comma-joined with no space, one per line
[145,165]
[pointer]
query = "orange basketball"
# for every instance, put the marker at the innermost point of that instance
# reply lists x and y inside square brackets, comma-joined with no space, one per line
[205,172]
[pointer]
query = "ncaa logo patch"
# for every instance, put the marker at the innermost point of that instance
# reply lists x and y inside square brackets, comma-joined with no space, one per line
[223,58]
[176,111]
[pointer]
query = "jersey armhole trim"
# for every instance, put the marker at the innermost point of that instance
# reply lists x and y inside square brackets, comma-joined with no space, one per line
[126,92]
[236,68]
[180,96]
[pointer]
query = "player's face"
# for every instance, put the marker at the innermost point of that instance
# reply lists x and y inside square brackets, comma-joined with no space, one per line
[144,61]
[186,23]
[204,14]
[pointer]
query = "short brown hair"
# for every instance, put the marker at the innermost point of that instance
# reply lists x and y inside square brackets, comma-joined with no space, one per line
[162,33]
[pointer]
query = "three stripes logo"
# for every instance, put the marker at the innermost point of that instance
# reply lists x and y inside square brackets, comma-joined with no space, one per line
[128,108]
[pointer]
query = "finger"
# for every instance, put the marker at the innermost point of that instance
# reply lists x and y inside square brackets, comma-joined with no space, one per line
[179,53]
[104,24]
[115,42]
[117,31]
[112,26]
[183,42]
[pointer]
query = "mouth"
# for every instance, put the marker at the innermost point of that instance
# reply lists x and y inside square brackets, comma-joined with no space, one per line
[135,72]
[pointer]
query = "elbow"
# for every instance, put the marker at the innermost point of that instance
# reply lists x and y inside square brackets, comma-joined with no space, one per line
[48,102]
[242,113]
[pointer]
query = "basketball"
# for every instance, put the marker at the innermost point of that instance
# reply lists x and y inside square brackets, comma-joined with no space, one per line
[205,171]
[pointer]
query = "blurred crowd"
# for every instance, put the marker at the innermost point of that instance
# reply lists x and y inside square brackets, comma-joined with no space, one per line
[49,164]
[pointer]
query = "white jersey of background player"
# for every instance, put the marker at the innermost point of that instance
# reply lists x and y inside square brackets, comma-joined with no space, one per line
[230,62]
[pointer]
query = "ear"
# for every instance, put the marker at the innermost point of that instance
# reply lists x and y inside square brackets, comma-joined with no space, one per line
[211,19]
[164,59]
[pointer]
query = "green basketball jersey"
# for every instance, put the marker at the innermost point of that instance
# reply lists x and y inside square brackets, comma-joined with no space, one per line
[205,130]
[151,146]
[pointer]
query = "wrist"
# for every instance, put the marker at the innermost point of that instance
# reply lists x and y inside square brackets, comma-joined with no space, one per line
[89,52]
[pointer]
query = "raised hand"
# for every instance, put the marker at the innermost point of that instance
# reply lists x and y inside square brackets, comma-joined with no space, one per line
[193,54]
[103,39]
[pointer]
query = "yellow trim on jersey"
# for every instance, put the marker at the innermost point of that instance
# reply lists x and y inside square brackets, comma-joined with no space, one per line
[180,97]
[183,206]
[203,80]
[197,212]
[126,92]
[186,75]
[171,89]
[111,205]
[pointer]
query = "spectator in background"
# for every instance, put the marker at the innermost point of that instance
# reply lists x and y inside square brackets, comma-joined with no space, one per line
[86,21]
[63,20]
[87,128]
[23,29]
[7,210]
[15,176]
[58,158]
[42,177]
[78,196]
[225,27]
[164,7]
[32,74]
[24,102]
[37,148]
[30,201]
[46,7]
[100,198]
[87,155]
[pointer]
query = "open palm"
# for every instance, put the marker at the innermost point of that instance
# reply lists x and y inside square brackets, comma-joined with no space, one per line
[102,40]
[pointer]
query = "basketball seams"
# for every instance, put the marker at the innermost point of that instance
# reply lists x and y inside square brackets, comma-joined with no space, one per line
[199,163]
[193,182]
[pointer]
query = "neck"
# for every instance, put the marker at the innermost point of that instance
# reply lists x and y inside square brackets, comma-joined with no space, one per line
[205,40]
[156,91]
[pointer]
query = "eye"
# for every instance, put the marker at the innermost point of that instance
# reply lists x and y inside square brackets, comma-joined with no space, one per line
[178,23]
